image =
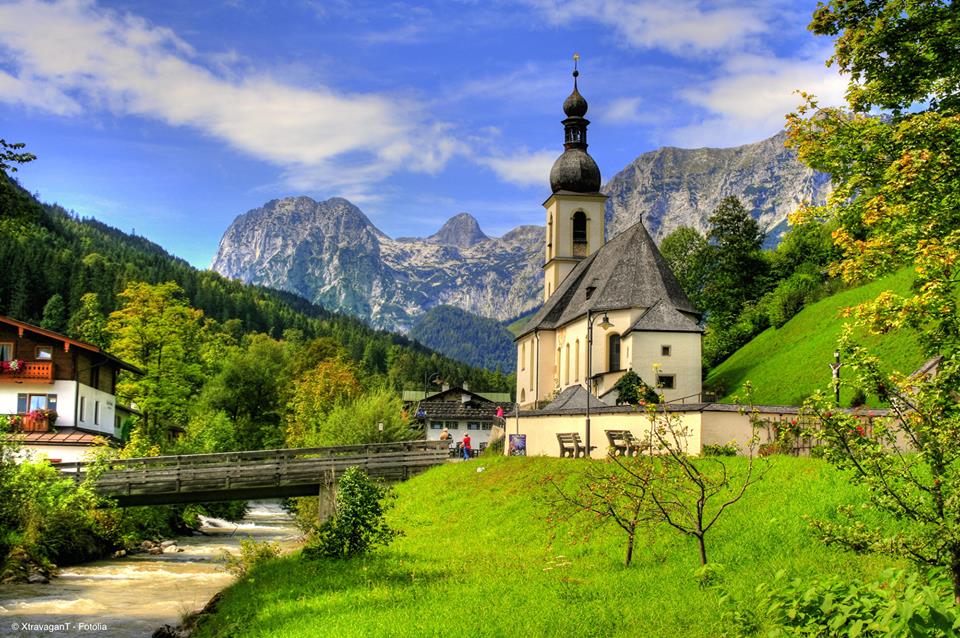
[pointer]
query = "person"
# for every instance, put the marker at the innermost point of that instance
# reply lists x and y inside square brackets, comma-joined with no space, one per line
[444,434]
[466,447]
[500,413]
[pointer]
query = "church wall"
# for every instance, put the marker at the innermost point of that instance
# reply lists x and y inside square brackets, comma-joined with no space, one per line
[683,362]
[541,431]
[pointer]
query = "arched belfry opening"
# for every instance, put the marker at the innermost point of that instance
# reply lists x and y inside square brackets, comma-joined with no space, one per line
[580,244]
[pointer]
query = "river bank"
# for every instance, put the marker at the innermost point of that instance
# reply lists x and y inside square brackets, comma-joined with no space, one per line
[136,594]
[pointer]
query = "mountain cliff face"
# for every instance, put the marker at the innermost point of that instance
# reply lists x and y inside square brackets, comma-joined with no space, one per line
[330,253]
[673,187]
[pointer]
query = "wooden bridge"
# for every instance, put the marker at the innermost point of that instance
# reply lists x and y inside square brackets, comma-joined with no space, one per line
[194,478]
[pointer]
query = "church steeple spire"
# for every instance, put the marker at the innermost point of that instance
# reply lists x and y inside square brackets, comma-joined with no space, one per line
[575,171]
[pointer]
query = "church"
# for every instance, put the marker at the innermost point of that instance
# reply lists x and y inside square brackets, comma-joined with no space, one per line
[609,306]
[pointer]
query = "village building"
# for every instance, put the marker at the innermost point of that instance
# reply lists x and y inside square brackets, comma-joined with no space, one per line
[59,392]
[459,412]
[608,307]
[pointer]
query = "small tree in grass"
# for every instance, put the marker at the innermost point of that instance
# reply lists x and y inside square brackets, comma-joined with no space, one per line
[608,493]
[690,493]
[358,525]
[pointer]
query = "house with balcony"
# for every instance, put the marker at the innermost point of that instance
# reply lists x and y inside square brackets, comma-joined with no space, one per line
[59,392]
[459,411]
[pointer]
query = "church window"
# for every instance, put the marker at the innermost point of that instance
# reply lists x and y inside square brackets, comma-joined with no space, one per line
[613,352]
[523,396]
[566,367]
[666,381]
[579,234]
[576,358]
[665,351]
[523,355]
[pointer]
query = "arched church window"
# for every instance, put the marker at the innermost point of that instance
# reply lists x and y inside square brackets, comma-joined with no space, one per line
[613,353]
[523,396]
[579,234]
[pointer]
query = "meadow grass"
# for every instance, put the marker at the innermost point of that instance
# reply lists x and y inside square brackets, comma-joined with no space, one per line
[479,558]
[786,365]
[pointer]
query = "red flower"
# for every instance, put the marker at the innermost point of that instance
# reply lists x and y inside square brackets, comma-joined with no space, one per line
[860,430]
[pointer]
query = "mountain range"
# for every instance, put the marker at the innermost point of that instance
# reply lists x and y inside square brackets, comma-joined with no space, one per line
[330,253]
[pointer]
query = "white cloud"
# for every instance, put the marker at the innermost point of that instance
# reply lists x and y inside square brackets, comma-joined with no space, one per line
[624,110]
[70,56]
[524,168]
[750,98]
[682,27]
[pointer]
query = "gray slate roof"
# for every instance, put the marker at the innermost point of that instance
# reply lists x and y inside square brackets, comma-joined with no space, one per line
[662,317]
[628,272]
[574,398]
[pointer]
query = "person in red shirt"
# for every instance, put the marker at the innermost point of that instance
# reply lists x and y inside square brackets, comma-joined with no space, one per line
[466,447]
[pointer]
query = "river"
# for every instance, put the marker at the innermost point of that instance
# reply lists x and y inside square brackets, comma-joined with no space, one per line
[134,595]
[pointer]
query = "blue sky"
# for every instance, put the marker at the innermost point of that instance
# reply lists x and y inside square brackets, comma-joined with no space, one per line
[171,118]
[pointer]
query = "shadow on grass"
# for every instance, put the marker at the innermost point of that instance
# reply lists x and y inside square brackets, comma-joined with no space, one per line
[281,594]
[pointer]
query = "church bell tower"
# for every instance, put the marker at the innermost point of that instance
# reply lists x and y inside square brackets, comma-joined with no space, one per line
[575,209]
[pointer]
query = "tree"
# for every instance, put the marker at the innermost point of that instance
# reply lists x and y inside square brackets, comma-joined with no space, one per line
[315,395]
[358,524]
[686,251]
[608,493]
[157,331]
[54,314]
[88,323]
[896,200]
[896,52]
[737,266]
[10,156]
[631,389]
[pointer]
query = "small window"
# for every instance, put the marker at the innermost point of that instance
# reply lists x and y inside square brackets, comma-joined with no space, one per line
[666,381]
[96,413]
[453,425]
[6,351]
[83,409]
[473,425]
[523,396]
[22,401]
[664,351]
[436,425]
[486,426]
[37,402]
[44,353]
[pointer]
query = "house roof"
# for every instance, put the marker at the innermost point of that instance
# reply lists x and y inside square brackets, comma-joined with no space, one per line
[626,272]
[454,394]
[662,317]
[469,411]
[63,436]
[67,341]
[574,399]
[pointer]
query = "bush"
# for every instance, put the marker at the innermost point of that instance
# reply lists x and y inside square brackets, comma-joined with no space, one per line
[358,525]
[252,553]
[631,389]
[901,605]
[727,449]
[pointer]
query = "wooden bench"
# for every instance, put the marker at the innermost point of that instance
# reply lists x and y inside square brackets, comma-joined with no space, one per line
[624,443]
[571,445]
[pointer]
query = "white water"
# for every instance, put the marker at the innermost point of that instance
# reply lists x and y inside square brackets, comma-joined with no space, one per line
[134,595]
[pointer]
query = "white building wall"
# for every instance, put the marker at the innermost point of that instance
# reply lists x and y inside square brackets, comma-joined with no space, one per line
[106,423]
[65,391]
[683,362]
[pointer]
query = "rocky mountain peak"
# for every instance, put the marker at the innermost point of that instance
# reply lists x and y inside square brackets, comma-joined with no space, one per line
[460,230]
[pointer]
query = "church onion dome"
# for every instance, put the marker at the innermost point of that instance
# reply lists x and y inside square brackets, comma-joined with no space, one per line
[576,172]
[575,105]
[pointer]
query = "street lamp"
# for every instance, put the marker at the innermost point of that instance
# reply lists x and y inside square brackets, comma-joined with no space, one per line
[606,325]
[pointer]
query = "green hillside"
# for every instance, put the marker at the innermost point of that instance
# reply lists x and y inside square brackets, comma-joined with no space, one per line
[445,329]
[786,365]
[479,558]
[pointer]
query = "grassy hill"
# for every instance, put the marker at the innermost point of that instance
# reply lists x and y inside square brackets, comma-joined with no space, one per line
[788,364]
[479,558]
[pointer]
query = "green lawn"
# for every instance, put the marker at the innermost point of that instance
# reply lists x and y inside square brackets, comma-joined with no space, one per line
[480,559]
[788,364]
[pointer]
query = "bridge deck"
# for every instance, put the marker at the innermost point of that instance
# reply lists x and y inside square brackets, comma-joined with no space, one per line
[256,474]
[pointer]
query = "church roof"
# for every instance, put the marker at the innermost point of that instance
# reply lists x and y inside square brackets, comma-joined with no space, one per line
[626,272]
[662,317]
[574,398]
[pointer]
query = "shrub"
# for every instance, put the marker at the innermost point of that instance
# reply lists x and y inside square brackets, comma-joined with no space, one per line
[252,553]
[726,449]
[631,389]
[358,525]
[903,604]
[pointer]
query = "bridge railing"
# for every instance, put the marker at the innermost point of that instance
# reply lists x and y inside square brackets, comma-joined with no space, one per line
[275,455]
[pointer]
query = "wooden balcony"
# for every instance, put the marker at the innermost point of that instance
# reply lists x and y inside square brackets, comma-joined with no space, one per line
[33,372]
